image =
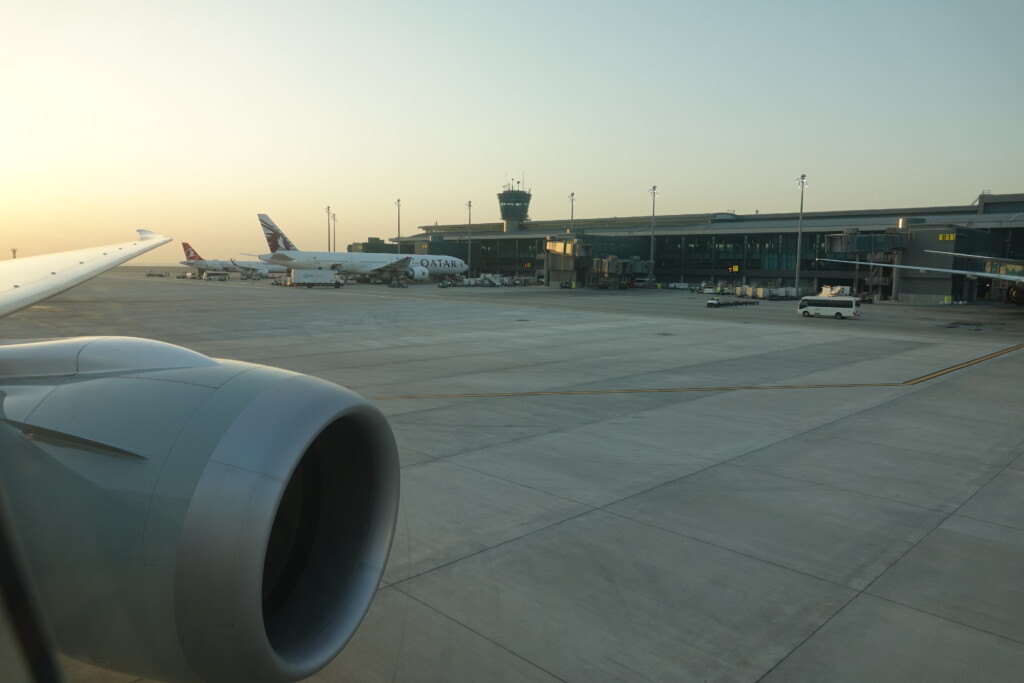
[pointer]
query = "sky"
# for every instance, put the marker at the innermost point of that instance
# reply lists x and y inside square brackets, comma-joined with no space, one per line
[190,117]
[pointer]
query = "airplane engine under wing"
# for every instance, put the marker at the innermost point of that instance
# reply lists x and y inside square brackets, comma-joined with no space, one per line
[418,273]
[191,519]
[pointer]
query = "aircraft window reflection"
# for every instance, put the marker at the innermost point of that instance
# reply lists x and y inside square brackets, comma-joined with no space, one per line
[25,650]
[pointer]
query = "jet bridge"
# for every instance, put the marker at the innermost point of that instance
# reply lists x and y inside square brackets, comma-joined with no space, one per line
[872,250]
[917,244]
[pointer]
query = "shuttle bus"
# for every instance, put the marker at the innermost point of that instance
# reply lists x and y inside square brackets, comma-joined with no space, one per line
[832,306]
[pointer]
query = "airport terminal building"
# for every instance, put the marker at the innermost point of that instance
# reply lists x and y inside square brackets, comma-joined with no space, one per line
[757,250]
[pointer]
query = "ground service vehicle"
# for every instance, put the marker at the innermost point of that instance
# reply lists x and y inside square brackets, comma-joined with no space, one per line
[312,277]
[833,306]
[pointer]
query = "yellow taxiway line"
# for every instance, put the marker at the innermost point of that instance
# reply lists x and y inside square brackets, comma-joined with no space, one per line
[599,392]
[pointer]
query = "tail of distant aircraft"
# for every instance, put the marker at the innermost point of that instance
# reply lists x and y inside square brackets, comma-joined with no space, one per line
[276,240]
[190,253]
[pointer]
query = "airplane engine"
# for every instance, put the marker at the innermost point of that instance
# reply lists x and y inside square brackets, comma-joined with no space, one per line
[191,519]
[418,273]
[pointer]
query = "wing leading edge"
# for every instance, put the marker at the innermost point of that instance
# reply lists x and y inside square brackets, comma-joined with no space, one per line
[27,281]
[399,266]
[990,259]
[928,269]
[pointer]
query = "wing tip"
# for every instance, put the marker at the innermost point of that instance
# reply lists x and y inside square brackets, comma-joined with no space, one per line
[147,235]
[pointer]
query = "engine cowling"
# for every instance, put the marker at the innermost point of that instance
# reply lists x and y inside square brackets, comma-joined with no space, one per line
[191,519]
[418,273]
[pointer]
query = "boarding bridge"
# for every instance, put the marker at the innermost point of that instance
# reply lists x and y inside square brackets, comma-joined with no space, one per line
[869,250]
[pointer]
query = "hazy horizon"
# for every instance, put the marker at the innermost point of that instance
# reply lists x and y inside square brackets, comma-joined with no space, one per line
[190,118]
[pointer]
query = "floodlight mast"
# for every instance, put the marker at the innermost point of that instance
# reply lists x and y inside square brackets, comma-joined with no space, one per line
[328,210]
[802,182]
[654,203]
[572,212]
[398,203]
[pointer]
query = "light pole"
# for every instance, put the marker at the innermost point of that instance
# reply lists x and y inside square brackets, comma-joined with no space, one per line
[328,210]
[572,213]
[334,232]
[654,203]
[469,245]
[682,258]
[398,203]
[802,182]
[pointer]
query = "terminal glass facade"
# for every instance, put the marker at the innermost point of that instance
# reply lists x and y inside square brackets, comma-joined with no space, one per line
[763,256]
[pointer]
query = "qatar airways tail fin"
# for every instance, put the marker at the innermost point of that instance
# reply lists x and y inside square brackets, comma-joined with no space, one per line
[276,240]
[190,253]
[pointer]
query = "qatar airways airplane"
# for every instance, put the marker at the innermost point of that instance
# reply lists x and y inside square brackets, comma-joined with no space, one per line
[416,267]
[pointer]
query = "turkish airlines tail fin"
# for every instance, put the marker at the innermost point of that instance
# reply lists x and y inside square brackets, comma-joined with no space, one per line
[276,240]
[190,253]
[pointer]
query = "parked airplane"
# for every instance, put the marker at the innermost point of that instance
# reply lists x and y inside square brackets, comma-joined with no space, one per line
[178,517]
[419,267]
[1015,293]
[249,268]
[194,260]
[257,269]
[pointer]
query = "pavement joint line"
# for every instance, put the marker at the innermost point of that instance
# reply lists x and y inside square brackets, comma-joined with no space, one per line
[680,390]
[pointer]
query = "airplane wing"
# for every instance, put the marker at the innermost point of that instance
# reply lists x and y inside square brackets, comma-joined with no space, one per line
[400,265]
[993,259]
[27,281]
[242,267]
[277,257]
[1009,276]
[928,269]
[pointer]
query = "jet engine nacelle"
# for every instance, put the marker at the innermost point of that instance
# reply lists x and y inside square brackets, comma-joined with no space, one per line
[418,273]
[191,519]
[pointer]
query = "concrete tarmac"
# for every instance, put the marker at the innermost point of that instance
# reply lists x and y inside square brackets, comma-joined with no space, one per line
[628,486]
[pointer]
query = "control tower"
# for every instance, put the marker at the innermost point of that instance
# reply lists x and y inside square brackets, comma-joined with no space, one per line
[515,206]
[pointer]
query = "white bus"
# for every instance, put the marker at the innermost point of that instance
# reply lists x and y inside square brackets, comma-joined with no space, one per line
[833,306]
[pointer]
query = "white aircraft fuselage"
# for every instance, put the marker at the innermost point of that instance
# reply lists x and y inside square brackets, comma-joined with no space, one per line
[208,264]
[285,253]
[359,263]
[234,266]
